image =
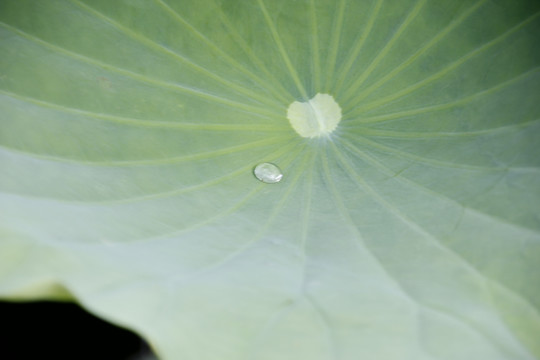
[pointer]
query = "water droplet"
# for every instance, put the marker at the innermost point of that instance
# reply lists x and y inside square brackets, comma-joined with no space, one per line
[268,173]
[319,116]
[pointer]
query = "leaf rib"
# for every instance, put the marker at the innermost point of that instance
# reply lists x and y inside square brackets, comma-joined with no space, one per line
[394,279]
[443,106]
[427,235]
[257,237]
[345,70]
[146,162]
[281,48]
[234,207]
[201,186]
[421,51]
[334,42]
[315,49]
[359,239]
[249,52]
[349,93]
[255,110]
[435,135]
[448,68]
[387,171]
[232,61]
[423,159]
[241,89]
[128,121]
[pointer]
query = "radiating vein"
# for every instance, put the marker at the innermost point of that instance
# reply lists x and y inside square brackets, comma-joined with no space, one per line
[231,30]
[278,208]
[225,212]
[415,226]
[307,205]
[197,187]
[306,212]
[392,174]
[350,92]
[315,48]
[255,110]
[282,51]
[249,93]
[394,279]
[438,107]
[353,55]
[153,196]
[337,25]
[423,159]
[420,230]
[232,61]
[231,209]
[359,239]
[147,123]
[365,131]
[447,69]
[421,51]
[158,161]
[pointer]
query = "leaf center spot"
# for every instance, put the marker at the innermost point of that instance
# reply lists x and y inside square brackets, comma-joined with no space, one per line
[316,117]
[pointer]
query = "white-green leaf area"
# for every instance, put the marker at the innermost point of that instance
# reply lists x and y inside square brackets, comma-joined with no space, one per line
[410,230]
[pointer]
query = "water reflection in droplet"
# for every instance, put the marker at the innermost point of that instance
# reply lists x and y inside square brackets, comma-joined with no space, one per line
[268,173]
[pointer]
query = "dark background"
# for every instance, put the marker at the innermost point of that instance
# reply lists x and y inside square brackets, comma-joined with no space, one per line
[50,330]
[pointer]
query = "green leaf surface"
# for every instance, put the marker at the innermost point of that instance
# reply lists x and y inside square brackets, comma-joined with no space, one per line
[129,134]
